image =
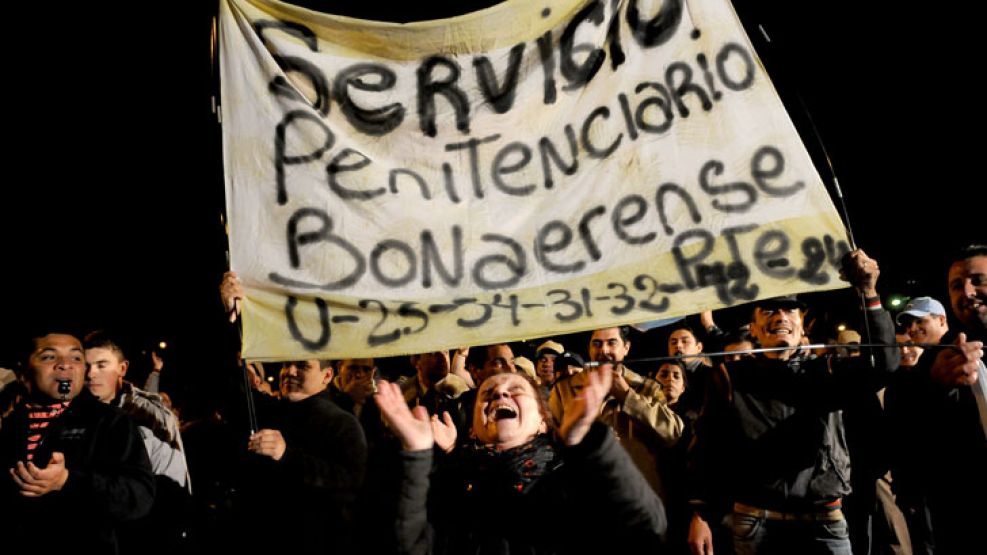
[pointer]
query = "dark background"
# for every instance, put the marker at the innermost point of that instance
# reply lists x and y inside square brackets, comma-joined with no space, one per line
[112,202]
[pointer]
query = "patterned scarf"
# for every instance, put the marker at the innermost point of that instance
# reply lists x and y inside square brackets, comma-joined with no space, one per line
[516,468]
[39,417]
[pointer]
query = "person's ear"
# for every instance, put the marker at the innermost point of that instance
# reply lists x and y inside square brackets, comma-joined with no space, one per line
[124,365]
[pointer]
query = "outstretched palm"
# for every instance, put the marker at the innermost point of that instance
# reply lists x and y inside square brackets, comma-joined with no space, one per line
[413,428]
[583,409]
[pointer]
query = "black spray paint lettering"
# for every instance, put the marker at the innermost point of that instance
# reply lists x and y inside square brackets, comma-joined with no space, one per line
[601,134]
[370,121]
[501,98]
[325,332]
[558,246]
[439,75]
[282,158]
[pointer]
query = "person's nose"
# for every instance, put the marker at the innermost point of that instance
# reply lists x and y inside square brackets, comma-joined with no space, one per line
[65,364]
[500,393]
[968,289]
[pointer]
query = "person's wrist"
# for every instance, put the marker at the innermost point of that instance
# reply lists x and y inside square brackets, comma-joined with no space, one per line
[872,302]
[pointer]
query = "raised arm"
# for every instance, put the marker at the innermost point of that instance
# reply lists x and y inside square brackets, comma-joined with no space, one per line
[645,403]
[414,429]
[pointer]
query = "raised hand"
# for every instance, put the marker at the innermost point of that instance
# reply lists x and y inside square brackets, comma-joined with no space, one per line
[955,367]
[583,409]
[444,431]
[861,271]
[231,291]
[413,428]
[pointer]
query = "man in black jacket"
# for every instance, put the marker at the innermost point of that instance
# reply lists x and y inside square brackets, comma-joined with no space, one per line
[770,437]
[939,474]
[76,467]
[309,463]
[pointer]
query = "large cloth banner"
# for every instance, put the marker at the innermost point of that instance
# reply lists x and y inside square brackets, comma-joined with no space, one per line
[531,169]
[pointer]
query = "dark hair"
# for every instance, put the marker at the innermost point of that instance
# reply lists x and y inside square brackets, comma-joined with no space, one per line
[624,331]
[323,362]
[100,340]
[737,336]
[27,342]
[478,354]
[681,325]
[968,251]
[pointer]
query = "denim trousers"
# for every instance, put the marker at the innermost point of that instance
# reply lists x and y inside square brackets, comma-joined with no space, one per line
[759,536]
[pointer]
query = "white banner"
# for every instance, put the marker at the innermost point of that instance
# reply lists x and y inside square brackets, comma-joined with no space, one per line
[516,172]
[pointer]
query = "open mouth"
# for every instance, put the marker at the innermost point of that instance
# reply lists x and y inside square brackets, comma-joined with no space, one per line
[502,412]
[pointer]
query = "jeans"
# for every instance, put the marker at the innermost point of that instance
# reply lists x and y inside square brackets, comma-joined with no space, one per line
[758,536]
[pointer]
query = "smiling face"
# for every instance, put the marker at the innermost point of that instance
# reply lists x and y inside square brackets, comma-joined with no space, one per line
[968,291]
[507,413]
[56,358]
[777,326]
[925,329]
[909,353]
[300,379]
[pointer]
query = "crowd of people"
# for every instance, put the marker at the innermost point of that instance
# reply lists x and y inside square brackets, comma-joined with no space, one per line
[876,445]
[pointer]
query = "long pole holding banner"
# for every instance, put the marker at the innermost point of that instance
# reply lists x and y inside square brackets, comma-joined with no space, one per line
[837,190]
[217,110]
[758,350]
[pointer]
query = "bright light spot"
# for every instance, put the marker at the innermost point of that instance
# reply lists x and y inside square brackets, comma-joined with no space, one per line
[162,345]
[841,327]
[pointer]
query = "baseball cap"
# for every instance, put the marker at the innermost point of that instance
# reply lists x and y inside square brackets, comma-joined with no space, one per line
[920,307]
[847,337]
[549,346]
[567,359]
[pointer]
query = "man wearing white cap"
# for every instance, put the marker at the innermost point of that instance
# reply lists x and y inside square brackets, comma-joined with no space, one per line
[924,320]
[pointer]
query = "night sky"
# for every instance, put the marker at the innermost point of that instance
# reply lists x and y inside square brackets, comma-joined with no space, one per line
[113,218]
